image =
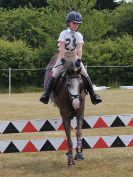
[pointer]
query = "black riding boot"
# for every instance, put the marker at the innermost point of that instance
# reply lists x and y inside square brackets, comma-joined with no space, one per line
[95,99]
[45,97]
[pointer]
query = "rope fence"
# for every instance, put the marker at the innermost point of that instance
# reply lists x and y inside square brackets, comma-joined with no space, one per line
[10,70]
[94,66]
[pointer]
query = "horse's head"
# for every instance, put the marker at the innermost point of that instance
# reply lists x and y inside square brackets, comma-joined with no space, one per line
[74,84]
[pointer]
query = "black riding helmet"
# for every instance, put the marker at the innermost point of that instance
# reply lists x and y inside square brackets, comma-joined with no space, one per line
[75,17]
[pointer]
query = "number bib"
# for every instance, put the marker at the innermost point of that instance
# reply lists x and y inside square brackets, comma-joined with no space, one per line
[71,39]
[70,43]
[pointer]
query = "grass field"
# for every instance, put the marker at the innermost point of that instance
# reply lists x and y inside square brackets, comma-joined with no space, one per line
[98,162]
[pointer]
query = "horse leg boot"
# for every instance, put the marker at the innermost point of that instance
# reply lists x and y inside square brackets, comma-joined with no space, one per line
[95,99]
[67,127]
[45,97]
[79,149]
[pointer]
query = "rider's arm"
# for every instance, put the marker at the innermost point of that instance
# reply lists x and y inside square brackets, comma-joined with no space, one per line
[62,49]
[79,50]
[61,41]
[79,47]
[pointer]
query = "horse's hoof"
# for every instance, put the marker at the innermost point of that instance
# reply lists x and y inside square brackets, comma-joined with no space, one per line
[79,156]
[70,159]
[71,163]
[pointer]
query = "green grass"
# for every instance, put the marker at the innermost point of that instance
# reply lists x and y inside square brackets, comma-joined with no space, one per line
[114,162]
[27,105]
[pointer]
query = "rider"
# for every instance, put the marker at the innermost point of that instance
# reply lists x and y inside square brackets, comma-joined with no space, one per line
[70,48]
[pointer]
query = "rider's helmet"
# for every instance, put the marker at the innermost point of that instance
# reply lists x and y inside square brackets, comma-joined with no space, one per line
[75,17]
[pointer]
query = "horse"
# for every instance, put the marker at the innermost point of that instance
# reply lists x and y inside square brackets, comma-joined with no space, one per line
[69,96]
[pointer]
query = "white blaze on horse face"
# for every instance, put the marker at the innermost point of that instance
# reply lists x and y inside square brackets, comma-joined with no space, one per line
[74,90]
[74,87]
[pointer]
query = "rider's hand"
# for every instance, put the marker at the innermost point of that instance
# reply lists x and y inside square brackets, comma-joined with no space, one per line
[78,63]
[63,61]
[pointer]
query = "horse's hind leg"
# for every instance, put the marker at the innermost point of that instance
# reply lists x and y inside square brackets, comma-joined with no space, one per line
[67,126]
[79,149]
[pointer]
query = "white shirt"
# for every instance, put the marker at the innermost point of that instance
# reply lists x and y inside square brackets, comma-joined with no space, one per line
[71,39]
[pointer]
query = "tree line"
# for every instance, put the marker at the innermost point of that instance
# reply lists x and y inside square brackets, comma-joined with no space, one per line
[28,39]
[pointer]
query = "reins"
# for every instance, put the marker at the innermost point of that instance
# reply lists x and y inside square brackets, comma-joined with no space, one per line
[72,96]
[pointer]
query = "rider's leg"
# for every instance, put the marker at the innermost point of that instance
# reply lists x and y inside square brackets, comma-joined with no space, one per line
[45,97]
[56,71]
[95,99]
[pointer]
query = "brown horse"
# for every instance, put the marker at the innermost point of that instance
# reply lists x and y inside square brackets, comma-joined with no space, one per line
[69,96]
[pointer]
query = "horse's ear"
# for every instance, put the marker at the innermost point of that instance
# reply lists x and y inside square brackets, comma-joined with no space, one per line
[69,71]
[79,70]
[69,67]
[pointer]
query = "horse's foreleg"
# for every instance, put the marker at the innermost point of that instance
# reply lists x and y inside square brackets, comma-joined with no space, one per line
[79,149]
[67,127]
[79,134]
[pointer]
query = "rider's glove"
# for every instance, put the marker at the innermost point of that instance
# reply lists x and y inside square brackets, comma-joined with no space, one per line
[63,61]
[78,63]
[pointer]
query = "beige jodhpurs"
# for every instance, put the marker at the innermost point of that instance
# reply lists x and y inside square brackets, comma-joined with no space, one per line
[68,57]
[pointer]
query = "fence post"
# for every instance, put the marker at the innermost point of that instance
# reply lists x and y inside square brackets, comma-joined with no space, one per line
[10,73]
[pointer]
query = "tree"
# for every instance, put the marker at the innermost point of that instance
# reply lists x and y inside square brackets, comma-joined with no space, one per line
[105,4]
[11,4]
[122,19]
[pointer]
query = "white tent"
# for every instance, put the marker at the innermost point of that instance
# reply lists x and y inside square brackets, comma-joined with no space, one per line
[126,87]
[119,1]
[100,88]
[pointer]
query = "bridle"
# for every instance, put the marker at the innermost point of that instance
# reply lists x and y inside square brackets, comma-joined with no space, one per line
[72,96]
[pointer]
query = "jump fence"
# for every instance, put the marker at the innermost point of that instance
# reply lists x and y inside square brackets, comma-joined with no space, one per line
[24,126]
[56,144]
